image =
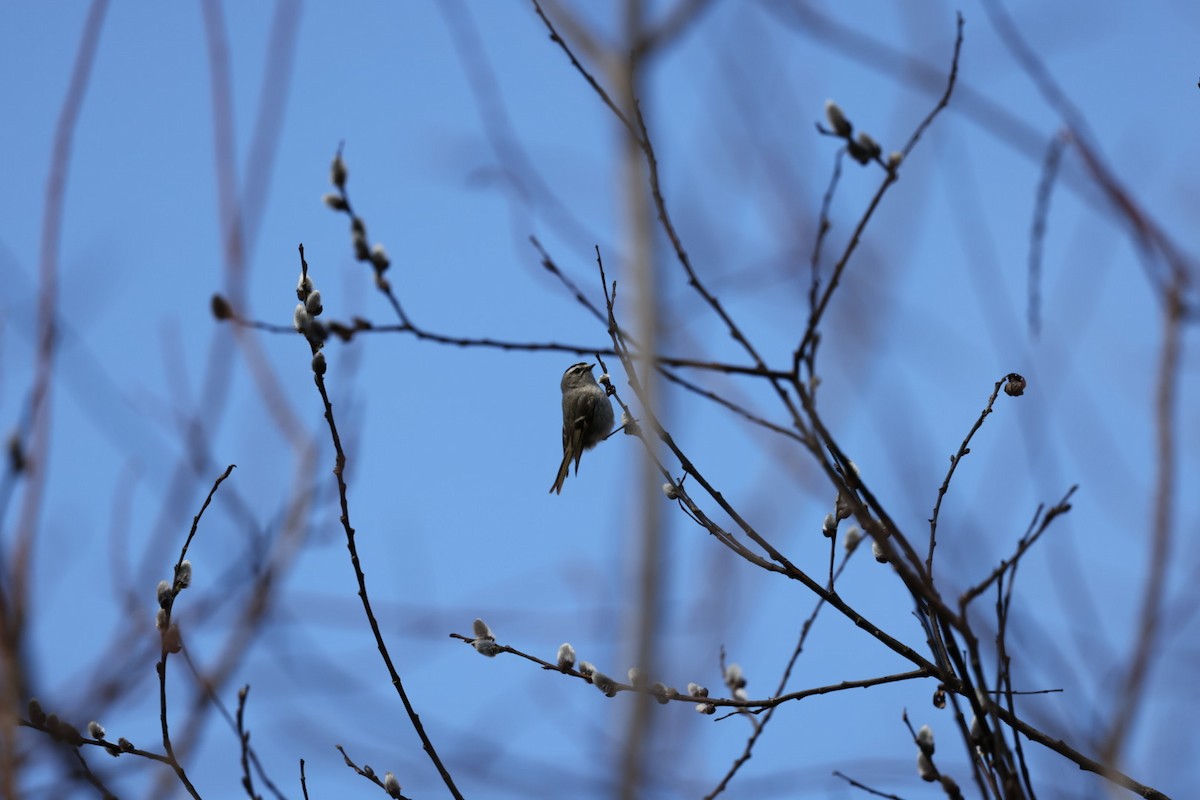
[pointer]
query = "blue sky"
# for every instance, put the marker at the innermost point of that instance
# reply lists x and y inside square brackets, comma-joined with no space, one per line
[451,450]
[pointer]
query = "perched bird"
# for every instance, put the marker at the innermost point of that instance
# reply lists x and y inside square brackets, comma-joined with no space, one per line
[587,417]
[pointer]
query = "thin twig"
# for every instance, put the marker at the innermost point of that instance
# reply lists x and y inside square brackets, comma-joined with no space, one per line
[963,450]
[1028,540]
[806,350]
[339,472]
[864,787]
[760,724]
[170,637]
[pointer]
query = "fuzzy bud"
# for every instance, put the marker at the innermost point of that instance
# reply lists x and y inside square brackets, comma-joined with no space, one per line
[361,251]
[925,768]
[183,574]
[894,159]
[841,507]
[566,656]
[829,526]
[877,551]
[337,172]
[837,120]
[173,639]
[696,690]
[379,258]
[335,201]
[852,538]
[125,745]
[487,647]
[300,318]
[160,620]
[304,285]
[662,693]
[670,491]
[630,425]
[95,730]
[735,678]
[925,740]
[391,785]
[482,631]
[164,594]
[65,731]
[318,362]
[857,152]
[604,684]
[869,145]
[705,708]
[586,669]
[313,303]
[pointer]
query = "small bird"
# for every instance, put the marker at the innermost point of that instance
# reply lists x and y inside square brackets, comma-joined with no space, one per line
[587,417]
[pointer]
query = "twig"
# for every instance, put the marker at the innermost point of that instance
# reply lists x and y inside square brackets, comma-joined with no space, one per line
[90,776]
[170,636]
[600,92]
[367,772]
[40,405]
[754,706]
[244,742]
[760,724]
[1031,536]
[1012,379]
[339,472]
[866,788]
[806,350]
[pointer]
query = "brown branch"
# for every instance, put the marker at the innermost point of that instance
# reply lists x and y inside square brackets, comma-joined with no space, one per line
[170,637]
[760,725]
[1012,379]
[339,472]
[864,787]
[616,687]
[1031,536]
[806,350]
[1162,533]
[595,84]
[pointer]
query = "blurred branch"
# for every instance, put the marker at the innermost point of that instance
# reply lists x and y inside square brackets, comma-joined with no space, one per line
[1154,590]
[1145,231]
[34,458]
[1037,233]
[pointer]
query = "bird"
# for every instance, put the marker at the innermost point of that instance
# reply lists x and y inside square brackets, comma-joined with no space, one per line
[587,417]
